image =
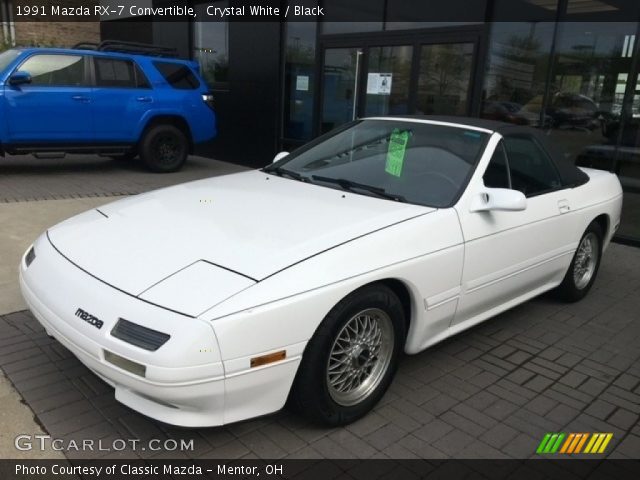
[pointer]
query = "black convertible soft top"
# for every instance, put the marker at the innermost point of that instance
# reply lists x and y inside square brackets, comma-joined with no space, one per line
[571,175]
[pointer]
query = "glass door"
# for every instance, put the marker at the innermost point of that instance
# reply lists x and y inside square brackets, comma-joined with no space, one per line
[420,74]
[340,80]
[388,80]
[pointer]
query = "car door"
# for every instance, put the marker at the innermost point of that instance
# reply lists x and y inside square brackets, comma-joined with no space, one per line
[55,107]
[511,255]
[122,96]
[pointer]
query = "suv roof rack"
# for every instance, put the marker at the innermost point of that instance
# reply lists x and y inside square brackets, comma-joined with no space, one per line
[128,47]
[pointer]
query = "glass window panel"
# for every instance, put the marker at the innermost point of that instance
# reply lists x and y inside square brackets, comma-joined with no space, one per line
[211,45]
[586,106]
[445,77]
[338,86]
[628,165]
[516,72]
[300,53]
[387,80]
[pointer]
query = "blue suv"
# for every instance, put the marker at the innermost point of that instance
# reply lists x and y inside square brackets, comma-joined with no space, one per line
[118,99]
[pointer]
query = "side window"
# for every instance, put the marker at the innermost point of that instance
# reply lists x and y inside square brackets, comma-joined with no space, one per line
[141,78]
[497,173]
[177,75]
[114,73]
[532,171]
[55,70]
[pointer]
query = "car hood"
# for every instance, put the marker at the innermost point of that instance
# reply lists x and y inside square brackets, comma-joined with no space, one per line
[249,225]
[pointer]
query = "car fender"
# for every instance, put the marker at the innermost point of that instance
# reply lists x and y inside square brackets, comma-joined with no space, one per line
[287,307]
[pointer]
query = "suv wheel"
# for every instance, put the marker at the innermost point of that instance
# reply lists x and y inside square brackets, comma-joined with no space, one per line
[164,148]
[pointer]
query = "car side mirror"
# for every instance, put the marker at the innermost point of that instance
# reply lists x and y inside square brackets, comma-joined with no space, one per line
[20,78]
[498,199]
[279,156]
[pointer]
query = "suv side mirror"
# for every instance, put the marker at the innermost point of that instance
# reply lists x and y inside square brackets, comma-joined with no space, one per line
[279,156]
[20,78]
[499,199]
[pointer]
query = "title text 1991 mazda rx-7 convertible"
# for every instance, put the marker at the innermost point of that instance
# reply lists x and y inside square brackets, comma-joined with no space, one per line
[217,300]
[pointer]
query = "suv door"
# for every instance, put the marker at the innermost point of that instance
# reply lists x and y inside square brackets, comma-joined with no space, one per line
[122,96]
[56,106]
[509,254]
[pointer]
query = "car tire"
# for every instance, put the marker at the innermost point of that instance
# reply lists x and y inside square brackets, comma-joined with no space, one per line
[362,335]
[164,148]
[584,266]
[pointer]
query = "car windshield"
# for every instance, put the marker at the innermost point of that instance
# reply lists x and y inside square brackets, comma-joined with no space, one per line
[7,57]
[421,163]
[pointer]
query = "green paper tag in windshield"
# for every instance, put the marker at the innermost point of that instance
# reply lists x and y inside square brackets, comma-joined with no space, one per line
[395,154]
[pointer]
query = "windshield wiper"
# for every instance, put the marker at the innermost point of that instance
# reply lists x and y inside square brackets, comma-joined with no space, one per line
[283,172]
[350,185]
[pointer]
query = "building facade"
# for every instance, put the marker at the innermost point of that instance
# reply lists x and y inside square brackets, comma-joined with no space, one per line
[569,67]
[18,32]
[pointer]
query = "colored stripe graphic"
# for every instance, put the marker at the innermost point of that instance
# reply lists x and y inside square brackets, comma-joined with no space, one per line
[573,443]
[543,443]
[592,441]
[556,445]
[581,443]
[598,442]
[550,443]
[568,442]
[606,441]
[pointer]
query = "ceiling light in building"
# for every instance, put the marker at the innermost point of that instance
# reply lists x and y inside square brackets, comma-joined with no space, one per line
[546,4]
[627,46]
[588,6]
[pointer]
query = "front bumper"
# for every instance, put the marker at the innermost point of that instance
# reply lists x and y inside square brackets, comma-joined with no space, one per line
[184,381]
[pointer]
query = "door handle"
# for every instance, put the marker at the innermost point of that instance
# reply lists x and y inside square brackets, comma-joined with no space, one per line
[80,98]
[144,99]
[563,206]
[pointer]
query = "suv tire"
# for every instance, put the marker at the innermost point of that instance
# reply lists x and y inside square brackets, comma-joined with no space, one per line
[164,148]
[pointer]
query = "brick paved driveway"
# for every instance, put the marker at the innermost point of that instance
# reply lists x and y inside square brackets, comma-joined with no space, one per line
[491,392]
[25,178]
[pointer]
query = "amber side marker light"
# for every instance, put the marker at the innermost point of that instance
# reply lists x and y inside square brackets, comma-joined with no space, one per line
[268,358]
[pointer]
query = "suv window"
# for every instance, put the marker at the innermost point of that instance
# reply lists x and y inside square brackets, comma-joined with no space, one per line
[114,73]
[178,76]
[532,171]
[119,73]
[7,57]
[55,70]
[497,173]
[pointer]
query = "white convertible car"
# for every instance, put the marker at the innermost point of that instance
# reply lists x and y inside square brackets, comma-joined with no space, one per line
[219,300]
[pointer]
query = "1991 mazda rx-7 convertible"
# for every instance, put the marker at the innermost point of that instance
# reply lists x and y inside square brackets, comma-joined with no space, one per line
[219,300]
